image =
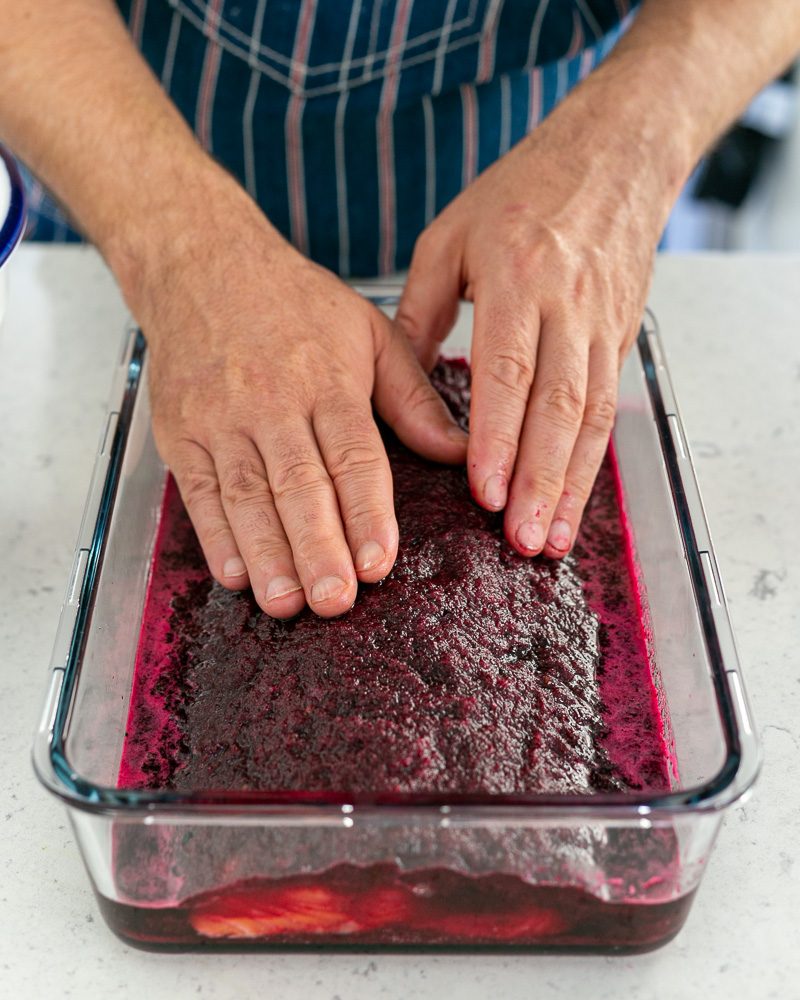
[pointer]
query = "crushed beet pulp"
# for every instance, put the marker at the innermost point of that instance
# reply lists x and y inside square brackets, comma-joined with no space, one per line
[469,670]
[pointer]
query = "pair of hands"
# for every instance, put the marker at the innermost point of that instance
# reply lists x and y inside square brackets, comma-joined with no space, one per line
[265,368]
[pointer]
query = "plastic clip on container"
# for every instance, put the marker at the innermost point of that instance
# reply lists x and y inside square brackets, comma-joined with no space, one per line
[600,872]
[12,218]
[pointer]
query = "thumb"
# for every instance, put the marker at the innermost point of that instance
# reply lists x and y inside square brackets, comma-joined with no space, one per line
[429,303]
[405,398]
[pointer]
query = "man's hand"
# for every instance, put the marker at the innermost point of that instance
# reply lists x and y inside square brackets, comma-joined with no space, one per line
[554,244]
[262,370]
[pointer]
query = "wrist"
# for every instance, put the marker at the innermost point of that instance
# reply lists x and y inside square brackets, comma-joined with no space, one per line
[183,217]
[633,105]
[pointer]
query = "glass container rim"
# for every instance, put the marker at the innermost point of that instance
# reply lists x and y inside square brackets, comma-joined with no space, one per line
[736,775]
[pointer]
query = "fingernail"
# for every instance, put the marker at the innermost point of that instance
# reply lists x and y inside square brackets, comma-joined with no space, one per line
[530,536]
[234,567]
[327,588]
[280,586]
[494,492]
[370,554]
[559,535]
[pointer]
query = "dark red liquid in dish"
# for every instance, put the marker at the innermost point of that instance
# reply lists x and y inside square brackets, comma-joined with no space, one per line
[469,670]
[381,906]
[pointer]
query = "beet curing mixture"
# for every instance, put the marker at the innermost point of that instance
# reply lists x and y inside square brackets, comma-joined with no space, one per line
[469,669]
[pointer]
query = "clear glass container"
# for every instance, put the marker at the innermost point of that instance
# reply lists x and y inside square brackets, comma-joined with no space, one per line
[601,872]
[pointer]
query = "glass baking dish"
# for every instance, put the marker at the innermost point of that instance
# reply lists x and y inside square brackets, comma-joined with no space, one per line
[601,872]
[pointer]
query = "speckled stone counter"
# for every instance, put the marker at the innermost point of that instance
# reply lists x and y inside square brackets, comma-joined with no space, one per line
[730,326]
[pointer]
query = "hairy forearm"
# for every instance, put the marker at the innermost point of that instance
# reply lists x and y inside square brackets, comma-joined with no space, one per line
[81,107]
[687,68]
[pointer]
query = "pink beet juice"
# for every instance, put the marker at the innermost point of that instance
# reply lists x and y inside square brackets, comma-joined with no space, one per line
[468,671]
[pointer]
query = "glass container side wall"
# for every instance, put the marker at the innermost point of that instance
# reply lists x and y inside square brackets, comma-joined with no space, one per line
[102,699]
[403,878]
[678,652]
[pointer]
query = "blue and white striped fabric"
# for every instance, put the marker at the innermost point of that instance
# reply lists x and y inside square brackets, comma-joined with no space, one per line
[353,123]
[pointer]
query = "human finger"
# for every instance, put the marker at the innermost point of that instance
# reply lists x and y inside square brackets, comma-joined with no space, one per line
[196,477]
[307,505]
[587,455]
[429,304]
[552,422]
[250,509]
[404,397]
[504,344]
[356,461]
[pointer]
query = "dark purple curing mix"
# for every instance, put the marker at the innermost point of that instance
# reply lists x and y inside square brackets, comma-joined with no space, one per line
[470,669]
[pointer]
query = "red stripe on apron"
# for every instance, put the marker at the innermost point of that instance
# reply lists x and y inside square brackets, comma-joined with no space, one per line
[295,167]
[469,145]
[385,139]
[138,10]
[535,99]
[577,36]
[208,79]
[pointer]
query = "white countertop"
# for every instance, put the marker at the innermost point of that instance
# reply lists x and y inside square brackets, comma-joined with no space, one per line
[730,325]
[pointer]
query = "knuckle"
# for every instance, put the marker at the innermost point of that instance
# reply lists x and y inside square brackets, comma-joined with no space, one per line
[243,480]
[500,439]
[312,542]
[496,435]
[296,477]
[511,371]
[264,552]
[580,480]
[544,482]
[563,399]
[537,248]
[313,552]
[214,534]
[353,459]
[198,486]
[542,476]
[255,518]
[581,285]
[364,513]
[601,410]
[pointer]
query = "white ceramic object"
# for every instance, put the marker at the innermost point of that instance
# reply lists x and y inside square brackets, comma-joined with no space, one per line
[12,218]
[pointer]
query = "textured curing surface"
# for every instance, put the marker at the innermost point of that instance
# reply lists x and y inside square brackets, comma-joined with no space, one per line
[469,669]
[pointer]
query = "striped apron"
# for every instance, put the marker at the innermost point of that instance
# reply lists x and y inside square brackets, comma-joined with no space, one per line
[352,123]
